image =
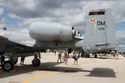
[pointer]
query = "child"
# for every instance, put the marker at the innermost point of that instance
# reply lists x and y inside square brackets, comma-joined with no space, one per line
[66,58]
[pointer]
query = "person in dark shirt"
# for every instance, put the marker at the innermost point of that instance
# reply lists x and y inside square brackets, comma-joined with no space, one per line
[59,57]
[22,60]
[76,57]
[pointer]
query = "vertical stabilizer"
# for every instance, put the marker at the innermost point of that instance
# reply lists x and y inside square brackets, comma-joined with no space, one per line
[100,32]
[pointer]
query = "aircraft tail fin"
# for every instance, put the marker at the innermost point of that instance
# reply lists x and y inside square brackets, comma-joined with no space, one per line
[100,29]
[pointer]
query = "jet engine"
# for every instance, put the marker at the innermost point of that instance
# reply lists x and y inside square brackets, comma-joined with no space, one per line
[50,32]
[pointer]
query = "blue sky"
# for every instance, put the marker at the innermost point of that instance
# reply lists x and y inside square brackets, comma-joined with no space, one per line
[120,26]
[9,21]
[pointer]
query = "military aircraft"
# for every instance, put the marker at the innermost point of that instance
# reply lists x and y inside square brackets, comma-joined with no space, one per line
[99,37]
[40,36]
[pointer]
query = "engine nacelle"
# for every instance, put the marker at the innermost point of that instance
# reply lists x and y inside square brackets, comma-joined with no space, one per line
[50,32]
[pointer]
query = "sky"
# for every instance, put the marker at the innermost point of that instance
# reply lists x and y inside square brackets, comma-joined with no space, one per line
[19,14]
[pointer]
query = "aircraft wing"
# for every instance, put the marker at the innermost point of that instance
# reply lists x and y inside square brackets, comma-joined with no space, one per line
[13,37]
[29,43]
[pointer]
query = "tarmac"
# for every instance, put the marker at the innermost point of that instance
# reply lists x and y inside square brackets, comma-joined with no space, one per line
[89,70]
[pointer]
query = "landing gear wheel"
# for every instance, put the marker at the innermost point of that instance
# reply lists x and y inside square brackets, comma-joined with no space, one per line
[36,62]
[7,66]
[14,60]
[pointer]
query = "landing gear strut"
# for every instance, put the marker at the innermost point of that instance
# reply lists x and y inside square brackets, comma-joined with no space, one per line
[13,59]
[36,61]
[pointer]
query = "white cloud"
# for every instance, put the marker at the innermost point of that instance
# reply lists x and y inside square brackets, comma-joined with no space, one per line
[1,11]
[118,10]
[120,33]
[2,25]
[14,16]
[120,36]
[97,5]
[64,11]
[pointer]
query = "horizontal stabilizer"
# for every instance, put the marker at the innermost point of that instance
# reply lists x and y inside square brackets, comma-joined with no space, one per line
[102,44]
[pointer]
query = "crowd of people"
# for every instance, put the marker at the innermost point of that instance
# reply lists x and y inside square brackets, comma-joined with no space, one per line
[64,56]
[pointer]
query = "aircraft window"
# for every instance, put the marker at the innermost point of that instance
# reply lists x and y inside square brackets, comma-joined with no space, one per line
[97,13]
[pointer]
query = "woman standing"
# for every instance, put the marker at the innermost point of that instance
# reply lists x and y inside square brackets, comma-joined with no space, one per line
[76,57]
